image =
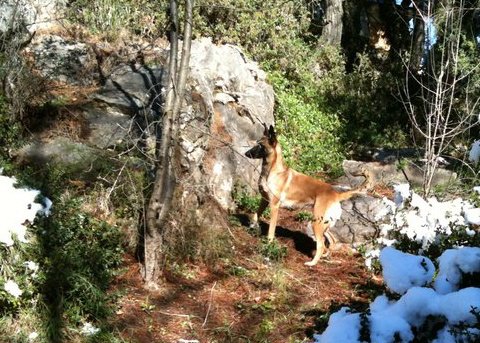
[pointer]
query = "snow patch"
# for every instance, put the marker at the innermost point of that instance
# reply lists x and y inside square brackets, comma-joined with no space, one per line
[402,271]
[17,209]
[474,154]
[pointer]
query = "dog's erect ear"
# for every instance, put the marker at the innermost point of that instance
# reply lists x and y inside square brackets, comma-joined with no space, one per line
[265,130]
[272,136]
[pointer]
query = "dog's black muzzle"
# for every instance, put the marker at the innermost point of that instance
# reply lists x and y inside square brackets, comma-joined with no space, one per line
[258,151]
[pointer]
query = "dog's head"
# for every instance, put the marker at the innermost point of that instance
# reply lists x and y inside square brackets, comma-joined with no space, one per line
[265,145]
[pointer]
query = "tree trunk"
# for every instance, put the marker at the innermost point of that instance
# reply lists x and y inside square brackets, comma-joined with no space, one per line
[165,179]
[332,31]
[418,38]
[353,40]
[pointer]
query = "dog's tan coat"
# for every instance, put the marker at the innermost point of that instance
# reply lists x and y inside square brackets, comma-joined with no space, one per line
[282,186]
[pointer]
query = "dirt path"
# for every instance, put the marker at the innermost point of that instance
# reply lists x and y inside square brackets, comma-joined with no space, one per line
[245,298]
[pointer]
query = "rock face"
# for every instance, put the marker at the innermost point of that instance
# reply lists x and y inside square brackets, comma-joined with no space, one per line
[31,14]
[62,60]
[227,101]
[76,157]
[235,96]
[133,88]
[389,172]
[360,220]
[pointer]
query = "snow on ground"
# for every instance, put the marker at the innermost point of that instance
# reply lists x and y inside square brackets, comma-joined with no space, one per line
[423,294]
[453,263]
[343,326]
[17,207]
[402,273]
[422,220]
[474,154]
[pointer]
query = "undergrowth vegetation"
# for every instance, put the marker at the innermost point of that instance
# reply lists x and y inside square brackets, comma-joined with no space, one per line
[325,111]
[63,270]
[322,111]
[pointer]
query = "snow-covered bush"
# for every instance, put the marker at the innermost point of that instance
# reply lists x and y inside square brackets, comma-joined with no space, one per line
[427,226]
[440,305]
[442,313]
[53,267]
[474,154]
[18,273]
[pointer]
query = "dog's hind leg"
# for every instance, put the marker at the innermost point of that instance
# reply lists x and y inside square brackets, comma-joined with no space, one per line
[332,241]
[319,228]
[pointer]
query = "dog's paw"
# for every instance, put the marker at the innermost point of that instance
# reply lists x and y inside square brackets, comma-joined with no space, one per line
[326,254]
[254,225]
[310,263]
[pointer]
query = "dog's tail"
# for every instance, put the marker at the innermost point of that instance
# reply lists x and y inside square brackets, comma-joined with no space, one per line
[361,190]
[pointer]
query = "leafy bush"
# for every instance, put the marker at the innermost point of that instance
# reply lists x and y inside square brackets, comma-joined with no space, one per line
[365,100]
[112,17]
[60,276]
[310,138]
[269,31]
[81,255]
[9,134]
[304,216]
[245,200]
[273,250]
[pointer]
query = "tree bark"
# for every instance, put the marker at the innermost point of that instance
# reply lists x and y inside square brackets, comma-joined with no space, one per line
[352,41]
[332,31]
[418,37]
[165,178]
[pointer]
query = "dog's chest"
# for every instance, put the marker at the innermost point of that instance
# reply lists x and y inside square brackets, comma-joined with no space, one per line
[272,189]
[263,185]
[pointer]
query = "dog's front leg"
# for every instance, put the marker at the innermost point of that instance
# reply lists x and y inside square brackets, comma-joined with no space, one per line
[261,208]
[274,207]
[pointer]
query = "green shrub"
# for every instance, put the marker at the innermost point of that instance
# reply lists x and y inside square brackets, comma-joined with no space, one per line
[364,99]
[10,134]
[273,250]
[64,273]
[304,216]
[269,31]
[79,256]
[310,138]
[246,200]
[112,17]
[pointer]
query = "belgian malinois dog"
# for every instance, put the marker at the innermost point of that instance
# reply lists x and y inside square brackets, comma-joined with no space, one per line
[281,186]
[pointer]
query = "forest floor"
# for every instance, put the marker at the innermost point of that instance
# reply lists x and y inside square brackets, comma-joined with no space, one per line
[245,298]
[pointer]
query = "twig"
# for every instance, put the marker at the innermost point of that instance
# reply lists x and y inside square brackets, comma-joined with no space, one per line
[209,305]
[176,314]
[300,282]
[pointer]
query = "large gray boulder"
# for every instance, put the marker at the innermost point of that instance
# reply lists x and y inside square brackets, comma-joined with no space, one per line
[226,103]
[32,15]
[63,60]
[133,88]
[360,220]
[60,152]
[362,216]
[236,99]
[389,172]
